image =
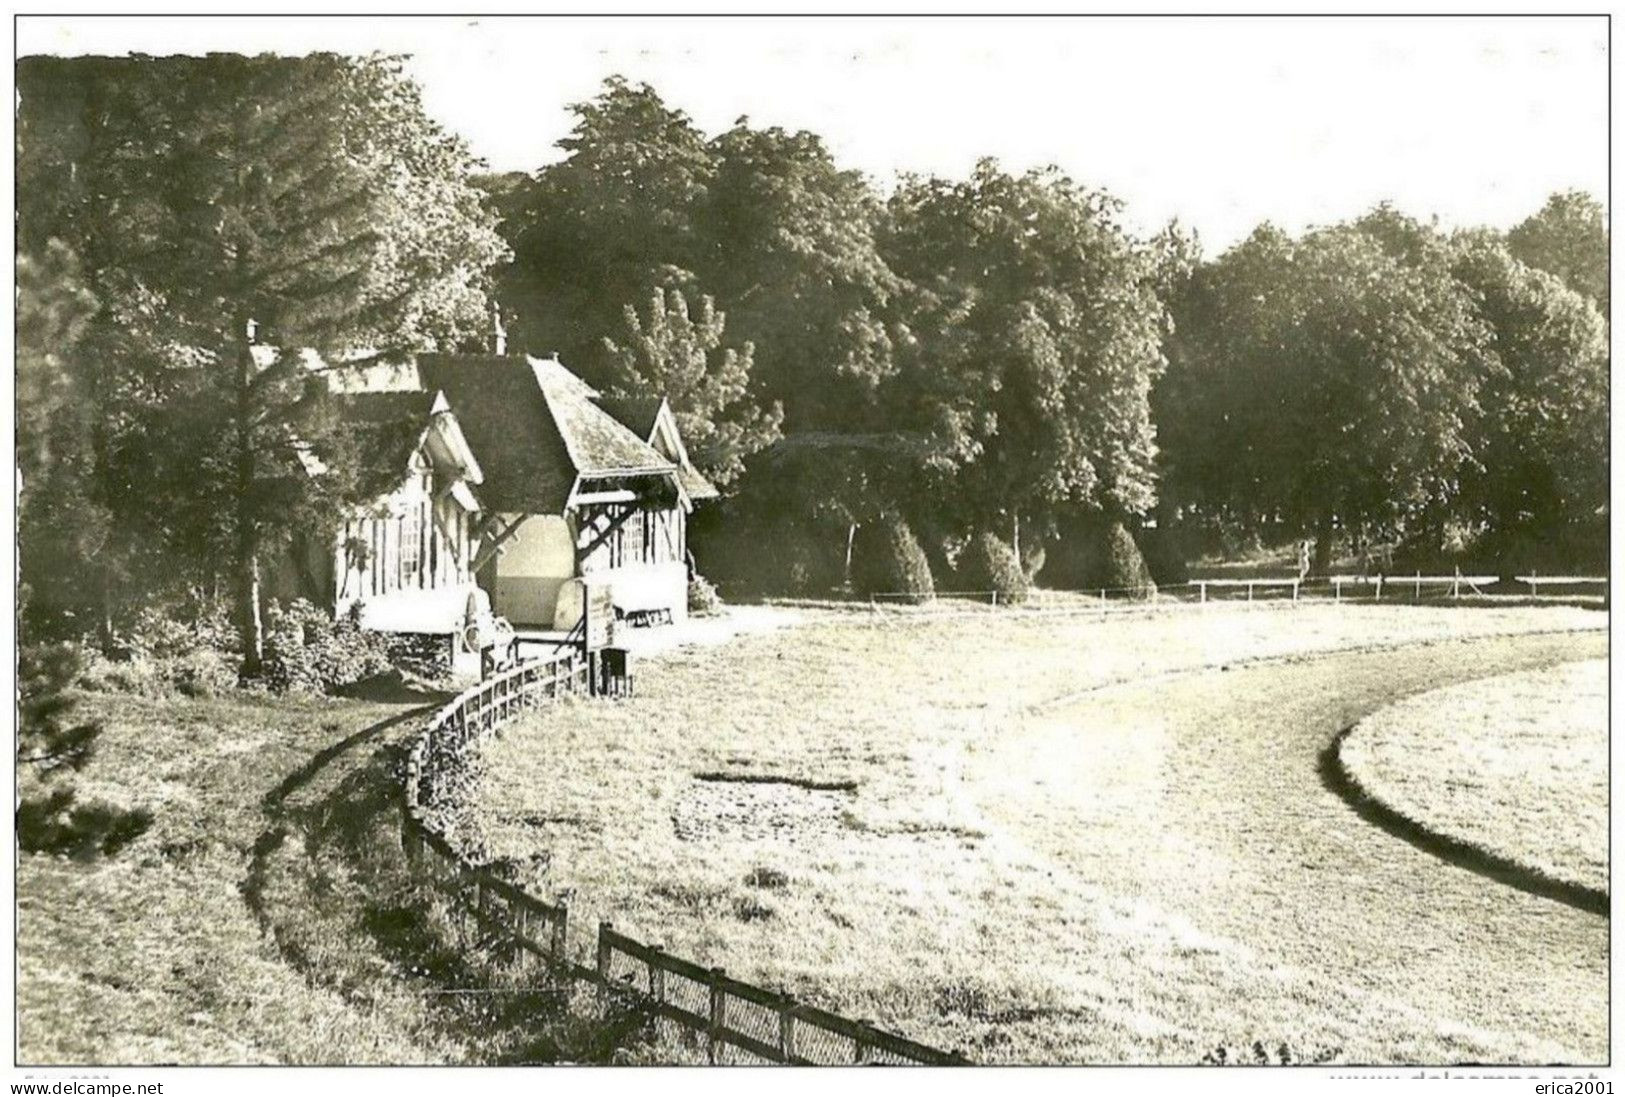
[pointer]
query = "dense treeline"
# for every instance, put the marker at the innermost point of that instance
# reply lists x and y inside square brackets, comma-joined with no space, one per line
[997,356]
[1390,385]
[984,381]
[963,357]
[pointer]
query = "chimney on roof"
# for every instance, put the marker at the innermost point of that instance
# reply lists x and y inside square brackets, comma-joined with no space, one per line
[499,334]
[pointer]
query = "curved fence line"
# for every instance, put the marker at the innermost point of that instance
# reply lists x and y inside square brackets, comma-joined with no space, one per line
[740,1021]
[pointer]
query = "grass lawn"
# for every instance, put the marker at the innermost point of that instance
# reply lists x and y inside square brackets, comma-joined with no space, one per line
[1038,839]
[266,916]
[1516,765]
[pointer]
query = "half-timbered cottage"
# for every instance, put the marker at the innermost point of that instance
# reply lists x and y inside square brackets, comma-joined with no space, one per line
[572,494]
[403,560]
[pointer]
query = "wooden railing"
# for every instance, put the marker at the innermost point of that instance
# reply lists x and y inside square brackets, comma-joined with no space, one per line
[533,925]
[438,755]
[767,1025]
[732,1015]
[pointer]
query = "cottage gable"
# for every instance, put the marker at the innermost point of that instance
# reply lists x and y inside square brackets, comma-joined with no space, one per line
[652,419]
[537,429]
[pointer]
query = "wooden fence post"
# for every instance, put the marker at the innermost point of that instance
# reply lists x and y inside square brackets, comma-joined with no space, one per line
[657,985]
[459,898]
[604,930]
[657,976]
[787,1029]
[719,1015]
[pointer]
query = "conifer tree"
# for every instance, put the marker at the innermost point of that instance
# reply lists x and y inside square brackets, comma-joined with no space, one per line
[265,208]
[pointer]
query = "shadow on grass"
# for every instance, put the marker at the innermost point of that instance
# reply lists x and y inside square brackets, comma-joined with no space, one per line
[331,887]
[57,823]
[1503,870]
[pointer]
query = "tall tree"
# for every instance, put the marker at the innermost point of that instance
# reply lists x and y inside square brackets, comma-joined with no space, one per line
[669,353]
[59,524]
[789,248]
[1035,334]
[1328,380]
[1540,465]
[592,232]
[1567,238]
[264,208]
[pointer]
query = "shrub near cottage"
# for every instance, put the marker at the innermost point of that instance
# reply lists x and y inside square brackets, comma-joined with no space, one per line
[187,650]
[306,651]
[703,600]
[1099,555]
[887,560]
[990,565]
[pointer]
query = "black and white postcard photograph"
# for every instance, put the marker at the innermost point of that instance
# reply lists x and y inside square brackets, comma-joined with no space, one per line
[665,540]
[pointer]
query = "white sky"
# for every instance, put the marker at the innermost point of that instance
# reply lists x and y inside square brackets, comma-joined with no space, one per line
[1220,122]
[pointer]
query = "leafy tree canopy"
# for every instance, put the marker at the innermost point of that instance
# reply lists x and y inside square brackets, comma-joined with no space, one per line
[1568,238]
[594,231]
[1035,336]
[669,353]
[1336,377]
[1541,449]
[789,245]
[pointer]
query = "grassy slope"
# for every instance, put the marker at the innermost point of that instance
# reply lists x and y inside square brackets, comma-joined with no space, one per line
[154,956]
[942,898]
[1517,766]
[266,916]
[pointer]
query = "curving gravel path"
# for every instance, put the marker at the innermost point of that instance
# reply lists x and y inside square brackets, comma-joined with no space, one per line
[1201,799]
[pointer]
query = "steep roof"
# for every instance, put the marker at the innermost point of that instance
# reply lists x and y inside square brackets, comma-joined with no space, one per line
[388,427]
[598,444]
[534,427]
[644,415]
[695,485]
[636,412]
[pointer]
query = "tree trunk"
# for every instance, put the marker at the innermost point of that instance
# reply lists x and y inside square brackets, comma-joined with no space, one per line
[846,574]
[1324,534]
[250,627]
[1015,537]
[107,609]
